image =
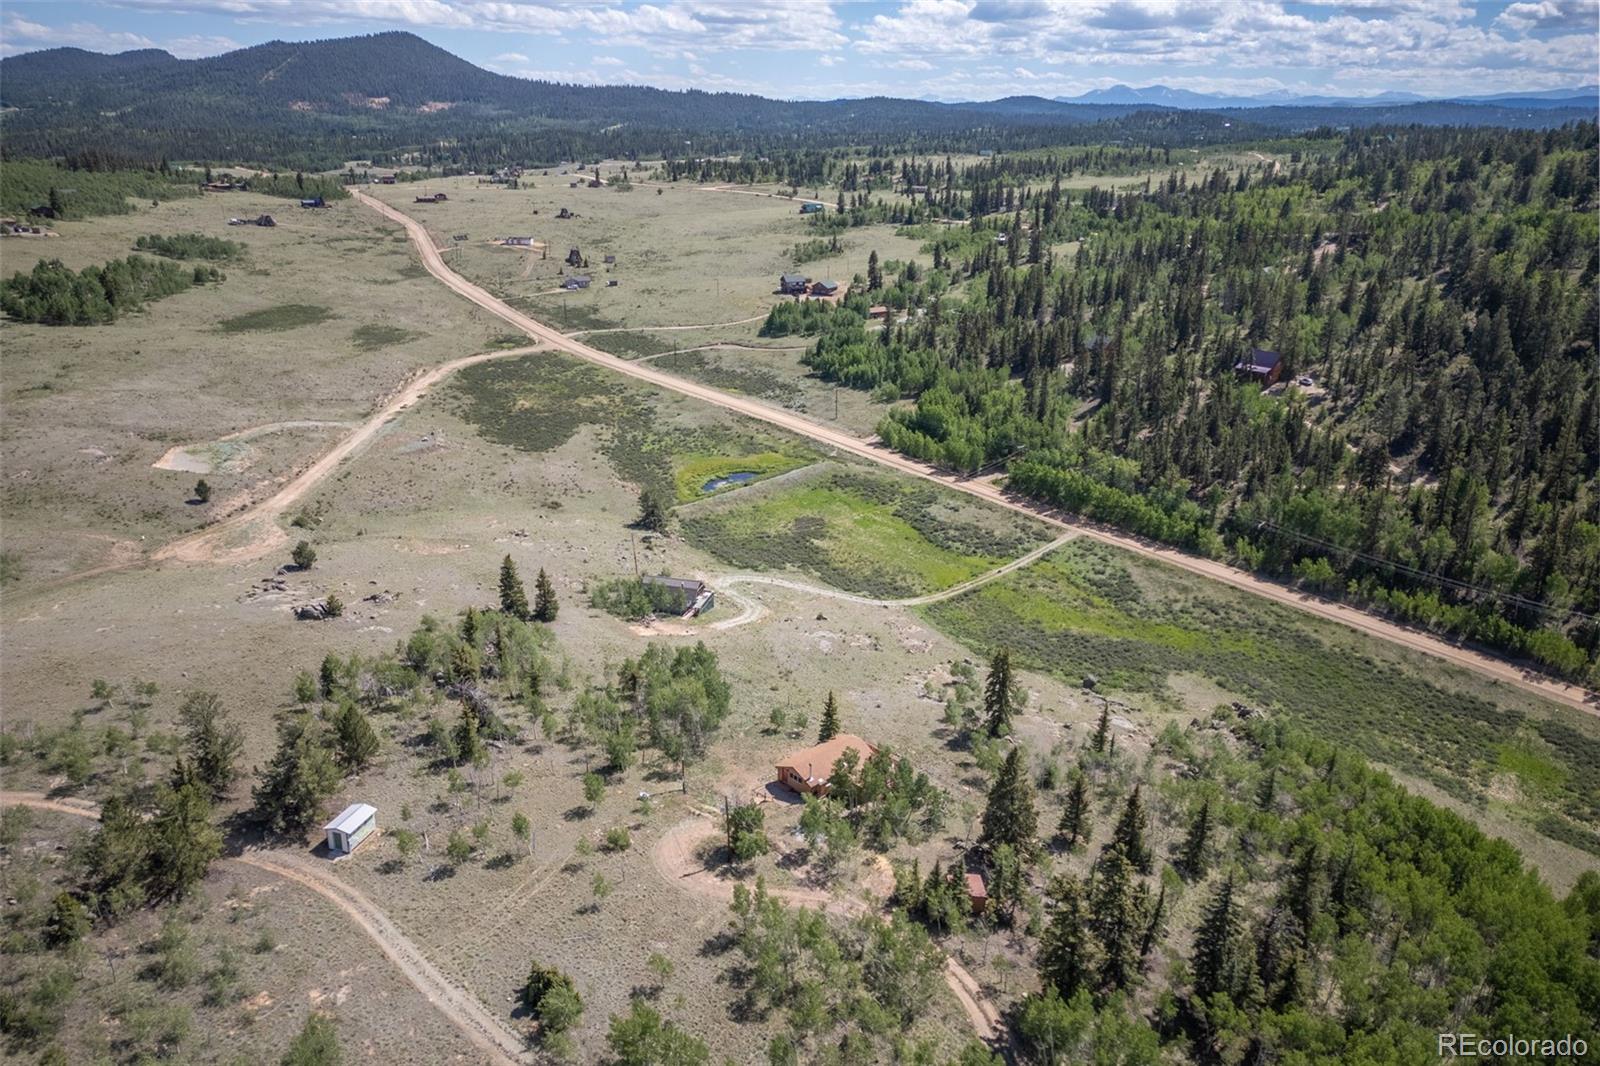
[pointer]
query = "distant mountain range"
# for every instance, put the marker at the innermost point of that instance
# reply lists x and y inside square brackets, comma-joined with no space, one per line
[1164,96]
[312,104]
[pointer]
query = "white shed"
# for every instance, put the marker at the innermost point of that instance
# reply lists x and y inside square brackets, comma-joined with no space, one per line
[354,824]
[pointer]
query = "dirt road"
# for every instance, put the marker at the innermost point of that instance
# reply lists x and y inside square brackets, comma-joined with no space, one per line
[988,489]
[211,543]
[494,1040]
[675,859]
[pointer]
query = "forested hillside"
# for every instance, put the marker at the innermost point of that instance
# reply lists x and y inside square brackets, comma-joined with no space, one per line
[313,105]
[1434,289]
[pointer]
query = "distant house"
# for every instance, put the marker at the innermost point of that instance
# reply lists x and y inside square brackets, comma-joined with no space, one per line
[917,190]
[354,824]
[611,259]
[985,153]
[576,281]
[436,198]
[793,284]
[694,596]
[518,242]
[611,284]
[824,288]
[977,893]
[219,186]
[878,311]
[810,207]
[315,201]
[387,179]
[1263,366]
[808,770]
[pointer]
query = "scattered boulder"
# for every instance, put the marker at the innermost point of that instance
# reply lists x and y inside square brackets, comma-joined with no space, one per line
[313,612]
[1090,681]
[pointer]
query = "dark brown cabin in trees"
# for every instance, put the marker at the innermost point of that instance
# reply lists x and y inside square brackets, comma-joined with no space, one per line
[1261,365]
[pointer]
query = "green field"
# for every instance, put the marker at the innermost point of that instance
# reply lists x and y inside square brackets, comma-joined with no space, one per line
[861,532]
[1089,609]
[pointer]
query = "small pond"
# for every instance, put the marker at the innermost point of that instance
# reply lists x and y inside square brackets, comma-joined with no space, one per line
[738,478]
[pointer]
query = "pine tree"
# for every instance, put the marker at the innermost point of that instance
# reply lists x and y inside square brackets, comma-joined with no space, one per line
[1267,794]
[830,720]
[1116,920]
[513,597]
[1075,818]
[328,676]
[1066,952]
[874,272]
[1220,963]
[655,514]
[1128,837]
[300,777]
[1195,854]
[212,741]
[1156,927]
[183,841]
[1010,817]
[355,740]
[468,741]
[545,604]
[1101,729]
[999,695]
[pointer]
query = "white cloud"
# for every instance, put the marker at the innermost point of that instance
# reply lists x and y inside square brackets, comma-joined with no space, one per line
[606,61]
[509,57]
[197,45]
[18,34]
[712,25]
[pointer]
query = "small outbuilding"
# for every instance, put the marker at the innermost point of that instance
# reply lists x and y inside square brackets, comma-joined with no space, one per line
[810,207]
[1263,366]
[879,311]
[315,201]
[977,893]
[355,824]
[576,281]
[825,288]
[808,770]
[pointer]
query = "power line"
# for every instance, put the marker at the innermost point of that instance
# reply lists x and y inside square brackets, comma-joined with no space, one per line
[1424,575]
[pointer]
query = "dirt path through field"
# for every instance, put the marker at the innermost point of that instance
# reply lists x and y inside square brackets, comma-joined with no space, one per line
[754,611]
[987,488]
[486,1032]
[258,521]
[676,860]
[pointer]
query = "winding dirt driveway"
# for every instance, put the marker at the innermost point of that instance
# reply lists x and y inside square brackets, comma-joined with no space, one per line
[497,1043]
[988,488]
[259,519]
[753,610]
[675,859]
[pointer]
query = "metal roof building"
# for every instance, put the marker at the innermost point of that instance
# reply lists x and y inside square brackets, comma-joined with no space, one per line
[354,824]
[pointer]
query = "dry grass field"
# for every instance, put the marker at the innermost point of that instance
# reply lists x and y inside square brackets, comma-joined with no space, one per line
[323,315]
[685,256]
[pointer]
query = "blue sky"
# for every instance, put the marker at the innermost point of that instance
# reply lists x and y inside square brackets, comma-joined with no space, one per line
[938,49]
